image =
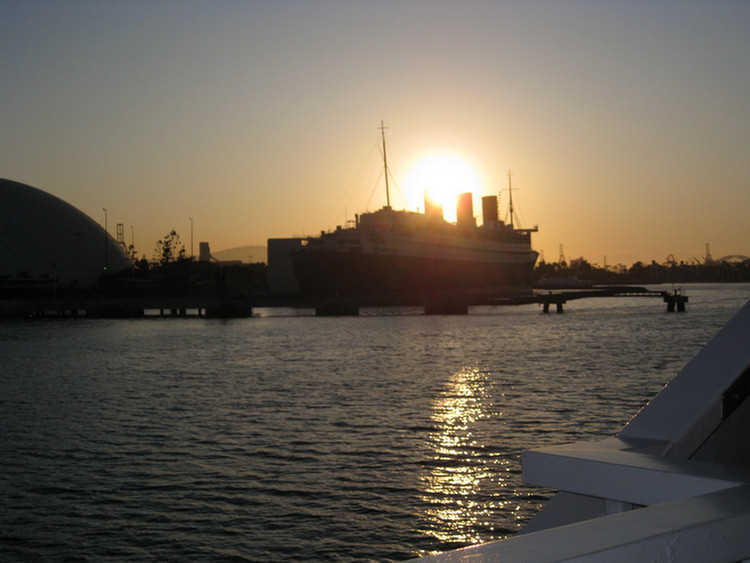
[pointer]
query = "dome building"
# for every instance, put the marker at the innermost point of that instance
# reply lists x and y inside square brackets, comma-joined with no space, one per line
[43,238]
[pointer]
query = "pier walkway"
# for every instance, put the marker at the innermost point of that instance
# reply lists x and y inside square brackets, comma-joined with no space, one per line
[442,303]
[458,302]
[119,308]
[675,300]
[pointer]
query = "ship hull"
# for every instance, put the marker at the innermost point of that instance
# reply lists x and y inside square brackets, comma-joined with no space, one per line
[332,273]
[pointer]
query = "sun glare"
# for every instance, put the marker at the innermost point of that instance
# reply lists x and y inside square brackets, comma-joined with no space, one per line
[442,176]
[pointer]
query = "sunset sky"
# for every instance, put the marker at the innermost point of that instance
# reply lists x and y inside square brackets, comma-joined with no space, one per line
[626,125]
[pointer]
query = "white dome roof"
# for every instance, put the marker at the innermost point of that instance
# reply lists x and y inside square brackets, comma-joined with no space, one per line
[43,236]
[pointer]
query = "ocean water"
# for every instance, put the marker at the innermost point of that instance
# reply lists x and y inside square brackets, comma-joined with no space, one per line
[283,437]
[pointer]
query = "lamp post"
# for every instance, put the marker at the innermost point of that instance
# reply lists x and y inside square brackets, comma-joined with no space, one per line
[131,254]
[191,238]
[106,258]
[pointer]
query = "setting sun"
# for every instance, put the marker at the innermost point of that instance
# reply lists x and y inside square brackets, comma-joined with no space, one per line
[443,176]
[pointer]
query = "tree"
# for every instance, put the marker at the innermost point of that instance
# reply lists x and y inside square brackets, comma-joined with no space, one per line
[169,249]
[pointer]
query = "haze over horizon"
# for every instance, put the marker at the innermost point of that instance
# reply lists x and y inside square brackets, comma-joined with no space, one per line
[626,125]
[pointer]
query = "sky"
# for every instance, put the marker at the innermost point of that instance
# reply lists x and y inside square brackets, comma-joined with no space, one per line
[625,125]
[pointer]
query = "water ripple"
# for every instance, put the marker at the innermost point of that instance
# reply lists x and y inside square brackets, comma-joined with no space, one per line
[304,439]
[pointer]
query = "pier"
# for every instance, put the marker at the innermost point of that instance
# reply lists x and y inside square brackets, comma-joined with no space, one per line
[675,300]
[458,303]
[124,308]
[438,303]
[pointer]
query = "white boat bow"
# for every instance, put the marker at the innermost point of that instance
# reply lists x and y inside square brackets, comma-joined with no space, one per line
[672,486]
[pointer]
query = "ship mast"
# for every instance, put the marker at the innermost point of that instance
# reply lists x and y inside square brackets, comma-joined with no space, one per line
[385,167]
[511,212]
[510,195]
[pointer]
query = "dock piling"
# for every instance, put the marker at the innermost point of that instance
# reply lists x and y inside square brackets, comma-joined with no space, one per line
[675,301]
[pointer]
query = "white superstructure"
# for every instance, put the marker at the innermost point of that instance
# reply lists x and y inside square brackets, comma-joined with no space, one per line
[672,486]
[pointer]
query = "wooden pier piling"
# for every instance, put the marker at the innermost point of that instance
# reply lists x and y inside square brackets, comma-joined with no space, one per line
[675,301]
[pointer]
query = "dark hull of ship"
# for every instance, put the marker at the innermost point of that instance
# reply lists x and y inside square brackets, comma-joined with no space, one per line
[331,273]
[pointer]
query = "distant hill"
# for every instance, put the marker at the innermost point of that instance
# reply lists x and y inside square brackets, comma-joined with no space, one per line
[248,254]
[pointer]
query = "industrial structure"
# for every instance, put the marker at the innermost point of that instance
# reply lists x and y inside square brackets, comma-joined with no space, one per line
[45,241]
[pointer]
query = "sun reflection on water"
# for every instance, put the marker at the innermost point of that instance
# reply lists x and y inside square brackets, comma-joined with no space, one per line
[464,480]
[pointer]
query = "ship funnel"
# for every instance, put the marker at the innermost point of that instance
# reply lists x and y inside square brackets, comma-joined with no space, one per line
[432,209]
[489,210]
[465,209]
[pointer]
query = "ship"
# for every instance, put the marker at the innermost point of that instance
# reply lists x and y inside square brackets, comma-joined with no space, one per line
[402,255]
